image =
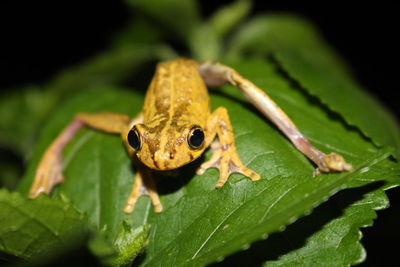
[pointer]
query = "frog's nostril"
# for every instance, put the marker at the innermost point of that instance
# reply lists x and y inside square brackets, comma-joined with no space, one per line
[161,156]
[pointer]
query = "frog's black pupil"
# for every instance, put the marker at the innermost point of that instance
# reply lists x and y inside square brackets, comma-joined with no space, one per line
[134,140]
[197,138]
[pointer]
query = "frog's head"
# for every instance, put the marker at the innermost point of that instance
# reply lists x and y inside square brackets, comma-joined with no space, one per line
[167,149]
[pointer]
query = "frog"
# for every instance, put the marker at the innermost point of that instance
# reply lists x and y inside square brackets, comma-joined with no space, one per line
[176,126]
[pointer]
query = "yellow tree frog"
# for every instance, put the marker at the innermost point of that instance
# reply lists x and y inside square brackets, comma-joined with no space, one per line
[174,128]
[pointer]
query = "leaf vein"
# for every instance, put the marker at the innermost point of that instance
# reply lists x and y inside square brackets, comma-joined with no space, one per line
[259,155]
[213,232]
[35,220]
[276,201]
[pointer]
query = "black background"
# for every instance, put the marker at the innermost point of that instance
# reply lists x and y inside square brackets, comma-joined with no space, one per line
[39,38]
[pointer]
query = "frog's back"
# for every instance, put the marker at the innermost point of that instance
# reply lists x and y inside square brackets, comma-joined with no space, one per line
[177,93]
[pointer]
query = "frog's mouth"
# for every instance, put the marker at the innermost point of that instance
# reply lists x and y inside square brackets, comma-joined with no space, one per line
[166,164]
[166,161]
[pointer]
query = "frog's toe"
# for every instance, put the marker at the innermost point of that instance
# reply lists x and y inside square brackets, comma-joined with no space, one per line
[48,175]
[234,165]
[220,184]
[249,173]
[227,161]
[214,161]
[333,163]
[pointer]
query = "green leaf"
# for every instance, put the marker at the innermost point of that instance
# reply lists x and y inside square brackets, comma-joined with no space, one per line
[106,193]
[338,240]
[105,181]
[227,17]
[329,236]
[229,224]
[180,17]
[307,117]
[32,228]
[201,224]
[9,171]
[307,59]
[336,236]
[20,113]
[204,50]
[128,244]
[206,40]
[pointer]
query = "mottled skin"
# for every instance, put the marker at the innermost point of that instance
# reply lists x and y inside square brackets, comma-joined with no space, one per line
[177,100]
[172,106]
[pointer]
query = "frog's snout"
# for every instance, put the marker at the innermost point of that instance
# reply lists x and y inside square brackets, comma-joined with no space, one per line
[162,156]
[165,160]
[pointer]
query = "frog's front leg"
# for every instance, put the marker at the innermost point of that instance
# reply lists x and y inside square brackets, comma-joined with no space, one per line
[143,184]
[224,157]
[216,74]
[49,171]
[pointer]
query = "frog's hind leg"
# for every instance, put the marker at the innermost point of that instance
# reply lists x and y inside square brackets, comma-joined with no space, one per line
[216,74]
[49,171]
[224,157]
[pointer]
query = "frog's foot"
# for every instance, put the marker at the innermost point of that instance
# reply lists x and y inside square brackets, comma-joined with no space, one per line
[48,174]
[227,161]
[143,186]
[332,163]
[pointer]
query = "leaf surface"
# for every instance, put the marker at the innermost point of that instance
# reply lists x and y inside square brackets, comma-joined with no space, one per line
[306,58]
[171,14]
[31,228]
[338,242]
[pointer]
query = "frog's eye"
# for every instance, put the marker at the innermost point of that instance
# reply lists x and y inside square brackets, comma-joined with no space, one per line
[196,137]
[134,139]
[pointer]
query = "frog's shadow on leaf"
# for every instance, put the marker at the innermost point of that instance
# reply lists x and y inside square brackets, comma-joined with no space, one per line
[6,257]
[169,182]
[315,101]
[295,235]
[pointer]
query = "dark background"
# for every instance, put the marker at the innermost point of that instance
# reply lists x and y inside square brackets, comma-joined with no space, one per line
[39,38]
